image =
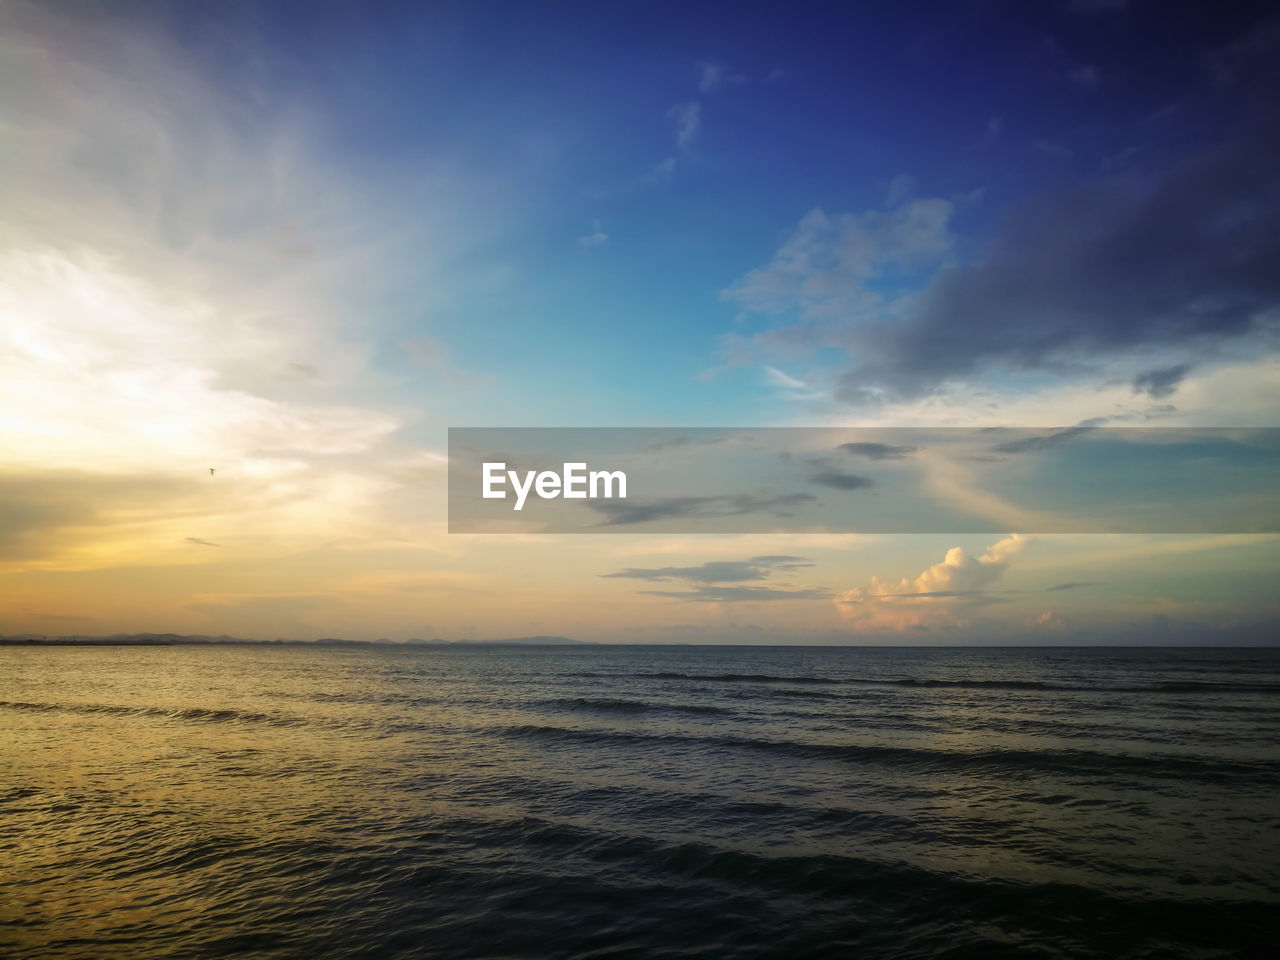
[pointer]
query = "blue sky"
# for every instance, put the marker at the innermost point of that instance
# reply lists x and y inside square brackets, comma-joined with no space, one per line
[613,170]
[298,241]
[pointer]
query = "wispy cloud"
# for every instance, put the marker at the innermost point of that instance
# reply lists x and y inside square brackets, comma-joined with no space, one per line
[722,581]
[713,76]
[687,117]
[740,594]
[878,451]
[718,571]
[839,480]
[626,512]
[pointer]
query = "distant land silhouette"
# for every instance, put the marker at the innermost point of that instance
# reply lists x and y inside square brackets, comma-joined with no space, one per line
[177,639]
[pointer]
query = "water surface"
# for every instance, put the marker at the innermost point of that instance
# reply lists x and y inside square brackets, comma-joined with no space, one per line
[590,802]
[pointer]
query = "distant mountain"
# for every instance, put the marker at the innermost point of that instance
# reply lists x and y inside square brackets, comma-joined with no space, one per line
[538,640]
[178,639]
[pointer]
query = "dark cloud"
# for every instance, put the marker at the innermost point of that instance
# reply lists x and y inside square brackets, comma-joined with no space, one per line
[877,451]
[624,512]
[1186,262]
[838,480]
[1071,585]
[717,581]
[203,543]
[718,571]
[1161,382]
[740,594]
[1038,442]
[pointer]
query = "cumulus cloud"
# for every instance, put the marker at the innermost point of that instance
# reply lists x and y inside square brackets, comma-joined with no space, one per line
[939,595]
[958,573]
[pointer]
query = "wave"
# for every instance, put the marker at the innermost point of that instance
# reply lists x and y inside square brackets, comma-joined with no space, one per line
[1181,686]
[1001,762]
[608,705]
[198,714]
[735,677]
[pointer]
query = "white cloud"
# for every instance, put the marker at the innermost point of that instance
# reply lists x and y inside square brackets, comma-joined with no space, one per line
[958,572]
[714,76]
[941,595]
[824,267]
[687,117]
[180,281]
[596,238]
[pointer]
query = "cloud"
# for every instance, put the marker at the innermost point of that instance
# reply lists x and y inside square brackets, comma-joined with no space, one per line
[1181,263]
[779,379]
[1037,442]
[959,571]
[1161,382]
[687,117]
[625,512]
[203,543]
[713,76]
[707,581]
[740,594]
[596,238]
[1052,148]
[936,596]
[877,451]
[824,268]
[717,571]
[839,480]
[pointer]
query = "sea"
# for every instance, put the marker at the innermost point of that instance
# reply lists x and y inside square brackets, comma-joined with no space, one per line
[596,801]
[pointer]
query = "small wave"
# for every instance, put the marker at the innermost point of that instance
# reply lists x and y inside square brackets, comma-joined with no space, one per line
[735,678]
[198,714]
[1183,686]
[922,759]
[607,705]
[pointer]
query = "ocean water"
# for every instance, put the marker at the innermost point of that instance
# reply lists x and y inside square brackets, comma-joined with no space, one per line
[592,802]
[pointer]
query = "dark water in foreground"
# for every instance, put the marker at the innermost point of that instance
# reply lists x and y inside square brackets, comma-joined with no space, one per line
[633,802]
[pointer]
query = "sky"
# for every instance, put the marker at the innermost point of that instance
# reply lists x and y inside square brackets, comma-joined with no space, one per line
[295,243]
